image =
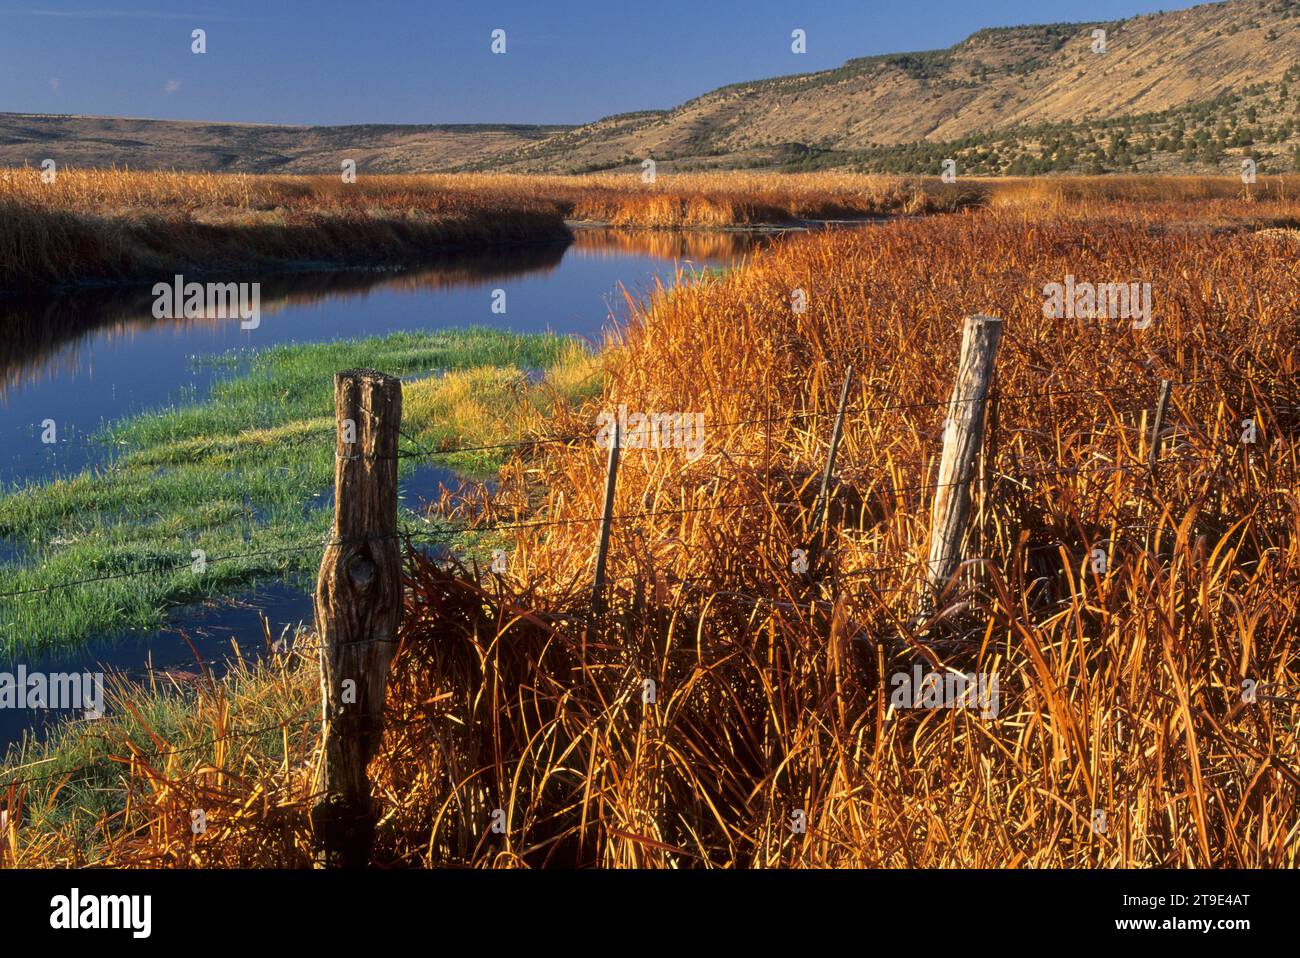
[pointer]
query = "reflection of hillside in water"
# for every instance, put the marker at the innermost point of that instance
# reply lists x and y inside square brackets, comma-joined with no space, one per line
[683,245]
[40,335]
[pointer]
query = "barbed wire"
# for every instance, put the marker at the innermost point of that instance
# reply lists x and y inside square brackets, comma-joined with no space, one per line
[411,534]
[425,452]
[853,406]
[527,443]
[178,567]
[164,753]
[734,594]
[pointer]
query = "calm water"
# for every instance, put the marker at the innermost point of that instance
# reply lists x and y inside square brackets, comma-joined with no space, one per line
[95,356]
[88,358]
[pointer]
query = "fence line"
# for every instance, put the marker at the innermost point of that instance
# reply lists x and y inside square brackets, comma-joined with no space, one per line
[417,534]
[851,406]
[528,443]
[412,535]
[855,573]
[850,574]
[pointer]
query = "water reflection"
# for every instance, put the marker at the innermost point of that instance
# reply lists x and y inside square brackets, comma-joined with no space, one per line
[99,354]
[40,334]
[686,246]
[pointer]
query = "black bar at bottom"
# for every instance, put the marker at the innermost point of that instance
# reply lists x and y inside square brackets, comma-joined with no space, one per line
[640,908]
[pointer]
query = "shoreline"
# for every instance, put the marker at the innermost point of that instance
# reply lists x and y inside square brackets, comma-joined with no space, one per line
[291,268]
[422,257]
[252,522]
[192,437]
[240,253]
[91,228]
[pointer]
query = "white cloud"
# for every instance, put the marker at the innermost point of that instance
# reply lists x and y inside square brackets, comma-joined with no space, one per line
[171,86]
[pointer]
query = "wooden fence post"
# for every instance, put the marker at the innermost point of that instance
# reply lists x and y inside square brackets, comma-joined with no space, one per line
[1162,405]
[358,607]
[963,434]
[606,520]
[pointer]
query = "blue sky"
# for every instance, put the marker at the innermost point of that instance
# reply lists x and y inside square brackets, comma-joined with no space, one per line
[284,61]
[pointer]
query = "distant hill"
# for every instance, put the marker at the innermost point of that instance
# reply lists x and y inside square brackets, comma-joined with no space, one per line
[1192,90]
[1009,79]
[27,139]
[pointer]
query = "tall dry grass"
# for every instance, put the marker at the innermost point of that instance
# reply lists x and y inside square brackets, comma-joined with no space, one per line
[107,225]
[1120,691]
[96,226]
[736,199]
[1171,202]
[118,225]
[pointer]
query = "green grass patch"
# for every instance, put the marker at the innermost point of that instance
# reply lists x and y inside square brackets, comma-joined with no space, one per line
[72,782]
[239,474]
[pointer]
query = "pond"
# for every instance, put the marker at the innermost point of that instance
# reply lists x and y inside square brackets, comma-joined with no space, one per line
[89,357]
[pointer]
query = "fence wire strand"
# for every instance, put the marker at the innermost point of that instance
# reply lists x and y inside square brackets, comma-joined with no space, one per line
[412,535]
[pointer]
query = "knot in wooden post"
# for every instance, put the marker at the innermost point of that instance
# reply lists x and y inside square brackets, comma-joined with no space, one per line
[358,607]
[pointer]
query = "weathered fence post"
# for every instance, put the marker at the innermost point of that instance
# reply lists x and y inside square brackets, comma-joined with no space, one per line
[606,520]
[963,434]
[1162,405]
[358,607]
